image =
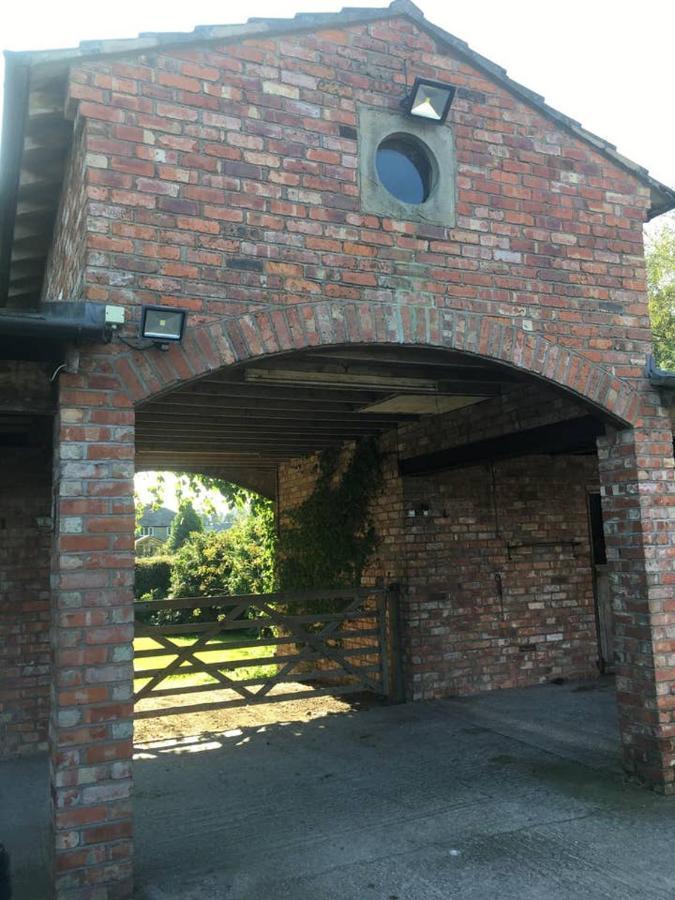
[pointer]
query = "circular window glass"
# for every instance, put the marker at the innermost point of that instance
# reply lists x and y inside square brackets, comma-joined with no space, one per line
[404,169]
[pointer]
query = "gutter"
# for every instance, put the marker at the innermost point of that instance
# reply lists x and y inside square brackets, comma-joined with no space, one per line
[664,378]
[58,322]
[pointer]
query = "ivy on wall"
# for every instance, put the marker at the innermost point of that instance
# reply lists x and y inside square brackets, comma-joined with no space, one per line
[327,540]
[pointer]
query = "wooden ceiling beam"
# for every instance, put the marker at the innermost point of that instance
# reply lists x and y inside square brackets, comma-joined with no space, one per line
[323,393]
[24,284]
[570,436]
[262,429]
[251,441]
[48,127]
[404,356]
[38,157]
[326,395]
[23,300]
[156,458]
[402,377]
[286,398]
[39,190]
[261,424]
[24,267]
[269,437]
[271,417]
[270,447]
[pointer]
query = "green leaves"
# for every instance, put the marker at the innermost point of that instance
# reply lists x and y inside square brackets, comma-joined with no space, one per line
[186,523]
[153,576]
[328,539]
[660,255]
[237,561]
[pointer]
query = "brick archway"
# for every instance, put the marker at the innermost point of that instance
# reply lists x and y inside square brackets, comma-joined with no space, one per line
[212,346]
[93,557]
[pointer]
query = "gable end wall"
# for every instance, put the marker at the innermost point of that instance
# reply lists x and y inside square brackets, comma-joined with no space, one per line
[223,179]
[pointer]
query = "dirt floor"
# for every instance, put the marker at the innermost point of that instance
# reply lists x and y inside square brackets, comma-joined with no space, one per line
[218,720]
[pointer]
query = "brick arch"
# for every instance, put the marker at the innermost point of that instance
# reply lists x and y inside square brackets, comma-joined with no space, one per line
[214,345]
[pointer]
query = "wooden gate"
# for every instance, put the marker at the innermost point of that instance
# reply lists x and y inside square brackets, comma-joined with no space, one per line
[265,648]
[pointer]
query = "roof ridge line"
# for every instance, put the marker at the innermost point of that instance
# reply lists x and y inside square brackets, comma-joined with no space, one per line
[157,41]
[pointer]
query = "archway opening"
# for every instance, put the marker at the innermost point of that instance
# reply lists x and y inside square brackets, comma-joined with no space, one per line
[480,516]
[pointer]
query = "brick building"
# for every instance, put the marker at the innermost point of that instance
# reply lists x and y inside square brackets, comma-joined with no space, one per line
[491,326]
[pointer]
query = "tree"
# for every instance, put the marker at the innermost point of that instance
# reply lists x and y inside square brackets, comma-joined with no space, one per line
[253,552]
[242,506]
[236,561]
[187,522]
[661,284]
[254,509]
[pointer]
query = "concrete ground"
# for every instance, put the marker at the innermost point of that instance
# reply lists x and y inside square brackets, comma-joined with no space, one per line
[514,794]
[24,810]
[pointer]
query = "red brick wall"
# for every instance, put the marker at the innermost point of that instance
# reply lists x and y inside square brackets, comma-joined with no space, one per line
[638,500]
[499,579]
[25,538]
[92,572]
[494,560]
[223,178]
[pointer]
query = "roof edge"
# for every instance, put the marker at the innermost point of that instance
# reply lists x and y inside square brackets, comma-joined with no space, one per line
[662,196]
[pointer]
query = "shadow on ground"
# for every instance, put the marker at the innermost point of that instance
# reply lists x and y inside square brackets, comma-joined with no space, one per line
[515,794]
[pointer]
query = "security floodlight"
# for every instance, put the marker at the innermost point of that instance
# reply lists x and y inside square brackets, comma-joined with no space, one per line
[429,100]
[163,325]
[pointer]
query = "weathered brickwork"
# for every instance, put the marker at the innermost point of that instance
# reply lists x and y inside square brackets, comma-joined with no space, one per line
[638,488]
[499,577]
[92,630]
[222,178]
[25,538]
[494,560]
[92,568]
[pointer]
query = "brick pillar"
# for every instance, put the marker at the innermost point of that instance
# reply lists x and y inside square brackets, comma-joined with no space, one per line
[638,489]
[92,632]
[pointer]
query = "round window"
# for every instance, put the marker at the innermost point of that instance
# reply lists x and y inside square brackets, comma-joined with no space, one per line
[404,168]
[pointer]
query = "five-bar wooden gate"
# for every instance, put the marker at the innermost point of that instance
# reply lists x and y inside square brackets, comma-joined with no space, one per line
[265,648]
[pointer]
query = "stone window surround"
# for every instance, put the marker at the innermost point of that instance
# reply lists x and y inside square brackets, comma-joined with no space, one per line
[375,125]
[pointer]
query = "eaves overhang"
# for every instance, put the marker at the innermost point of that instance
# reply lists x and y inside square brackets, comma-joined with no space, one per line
[36,136]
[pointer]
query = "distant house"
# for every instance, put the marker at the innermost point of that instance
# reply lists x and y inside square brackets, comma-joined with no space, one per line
[156,522]
[148,545]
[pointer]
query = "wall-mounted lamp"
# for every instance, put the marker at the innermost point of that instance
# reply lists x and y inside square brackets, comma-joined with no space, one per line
[429,100]
[163,325]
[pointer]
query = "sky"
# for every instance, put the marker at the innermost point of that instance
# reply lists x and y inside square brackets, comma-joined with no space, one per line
[205,502]
[606,63]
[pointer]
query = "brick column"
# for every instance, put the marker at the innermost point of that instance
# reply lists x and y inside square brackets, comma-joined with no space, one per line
[638,488]
[92,632]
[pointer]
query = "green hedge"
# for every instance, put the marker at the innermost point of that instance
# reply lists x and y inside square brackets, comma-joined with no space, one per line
[153,577]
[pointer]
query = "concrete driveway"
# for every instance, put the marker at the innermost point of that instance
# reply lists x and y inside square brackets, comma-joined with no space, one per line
[514,794]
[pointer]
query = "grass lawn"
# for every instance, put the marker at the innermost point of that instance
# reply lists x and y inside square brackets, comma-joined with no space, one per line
[218,651]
